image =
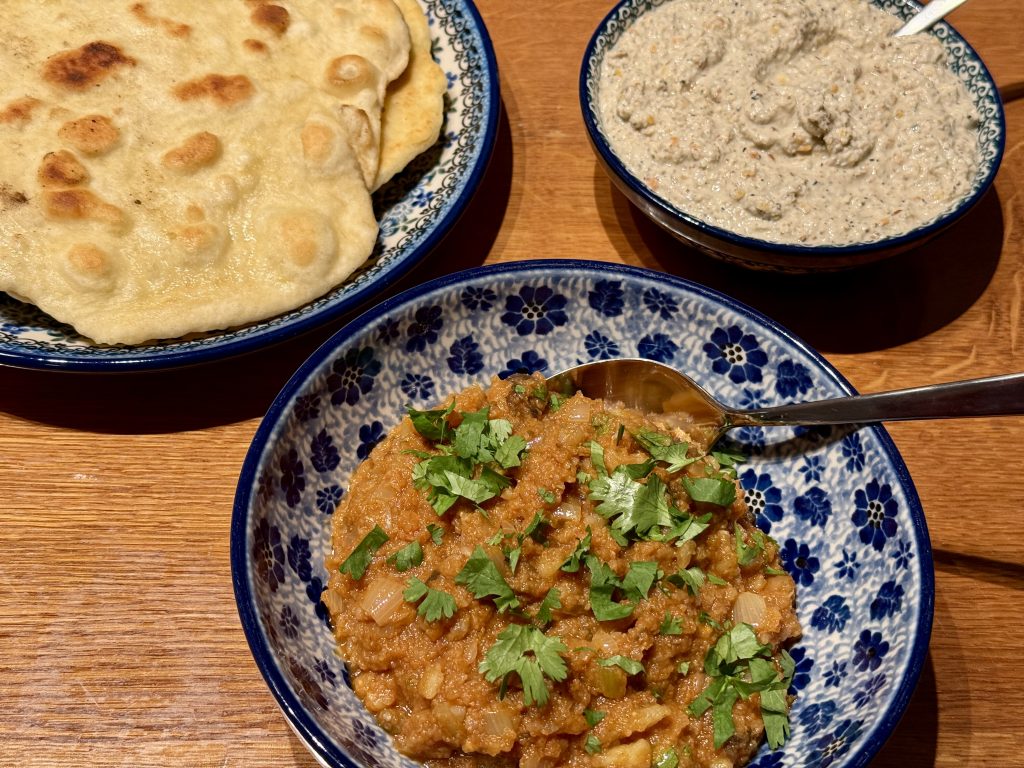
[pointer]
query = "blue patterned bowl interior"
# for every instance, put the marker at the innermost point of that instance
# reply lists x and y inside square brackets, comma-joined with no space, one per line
[415,210]
[963,61]
[838,500]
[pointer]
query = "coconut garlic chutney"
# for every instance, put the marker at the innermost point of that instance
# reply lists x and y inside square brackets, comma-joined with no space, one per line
[795,121]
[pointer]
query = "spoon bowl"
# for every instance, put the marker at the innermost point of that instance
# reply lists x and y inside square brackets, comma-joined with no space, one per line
[654,387]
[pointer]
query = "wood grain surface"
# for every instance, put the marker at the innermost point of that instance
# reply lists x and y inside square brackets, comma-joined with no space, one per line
[120,644]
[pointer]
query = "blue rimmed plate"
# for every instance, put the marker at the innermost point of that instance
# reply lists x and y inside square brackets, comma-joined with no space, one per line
[838,500]
[416,210]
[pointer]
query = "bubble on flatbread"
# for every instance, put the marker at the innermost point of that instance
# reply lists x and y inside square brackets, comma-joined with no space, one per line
[301,241]
[199,244]
[88,267]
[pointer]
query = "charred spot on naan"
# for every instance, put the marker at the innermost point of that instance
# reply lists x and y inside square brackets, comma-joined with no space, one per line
[171,27]
[89,65]
[19,111]
[61,169]
[91,134]
[197,151]
[223,90]
[271,17]
[80,205]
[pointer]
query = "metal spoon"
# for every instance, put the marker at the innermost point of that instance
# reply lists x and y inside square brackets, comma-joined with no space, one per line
[657,388]
[927,16]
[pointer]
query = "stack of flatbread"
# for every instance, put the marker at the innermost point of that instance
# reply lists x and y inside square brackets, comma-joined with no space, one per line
[172,166]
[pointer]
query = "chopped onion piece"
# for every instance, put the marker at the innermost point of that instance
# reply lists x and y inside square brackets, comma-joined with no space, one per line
[383,598]
[749,609]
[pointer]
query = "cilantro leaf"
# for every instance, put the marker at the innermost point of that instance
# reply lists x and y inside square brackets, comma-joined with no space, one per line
[407,557]
[469,440]
[592,744]
[603,583]
[739,666]
[714,578]
[358,561]
[667,759]
[661,448]
[747,553]
[727,459]
[597,456]
[639,579]
[483,579]
[686,527]
[769,571]
[630,666]
[433,425]
[593,717]
[683,668]
[436,533]
[527,652]
[533,529]
[670,625]
[572,565]
[510,452]
[632,507]
[436,602]
[550,602]
[692,577]
[546,496]
[711,490]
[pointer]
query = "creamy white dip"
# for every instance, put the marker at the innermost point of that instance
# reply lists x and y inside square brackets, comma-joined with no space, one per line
[797,121]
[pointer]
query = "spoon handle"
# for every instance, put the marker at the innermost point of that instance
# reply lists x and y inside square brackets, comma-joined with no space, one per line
[927,16]
[992,396]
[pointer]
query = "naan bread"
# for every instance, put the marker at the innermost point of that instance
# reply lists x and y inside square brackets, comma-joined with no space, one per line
[175,165]
[414,107]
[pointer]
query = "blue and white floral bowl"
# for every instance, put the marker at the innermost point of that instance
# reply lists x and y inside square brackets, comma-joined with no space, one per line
[762,254]
[416,210]
[838,500]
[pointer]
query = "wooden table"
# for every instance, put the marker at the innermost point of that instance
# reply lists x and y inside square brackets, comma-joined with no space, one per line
[119,640]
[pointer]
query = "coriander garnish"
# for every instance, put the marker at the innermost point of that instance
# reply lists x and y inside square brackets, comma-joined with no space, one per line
[530,654]
[435,602]
[482,577]
[407,557]
[355,564]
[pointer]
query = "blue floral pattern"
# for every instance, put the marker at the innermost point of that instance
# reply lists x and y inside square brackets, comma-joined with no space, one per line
[736,354]
[661,304]
[832,615]
[530,362]
[600,346]
[797,484]
[606,297]
[792,379]
[465,356]
[762,498]
[535,310]
[876,513]
[352,376]
[417,386]
[798,560]
[813,507]
[369,436]
[424,329]
[659,347]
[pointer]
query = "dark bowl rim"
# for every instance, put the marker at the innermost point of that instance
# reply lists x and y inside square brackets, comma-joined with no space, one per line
[767,247]
[151,358]
[306,727]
